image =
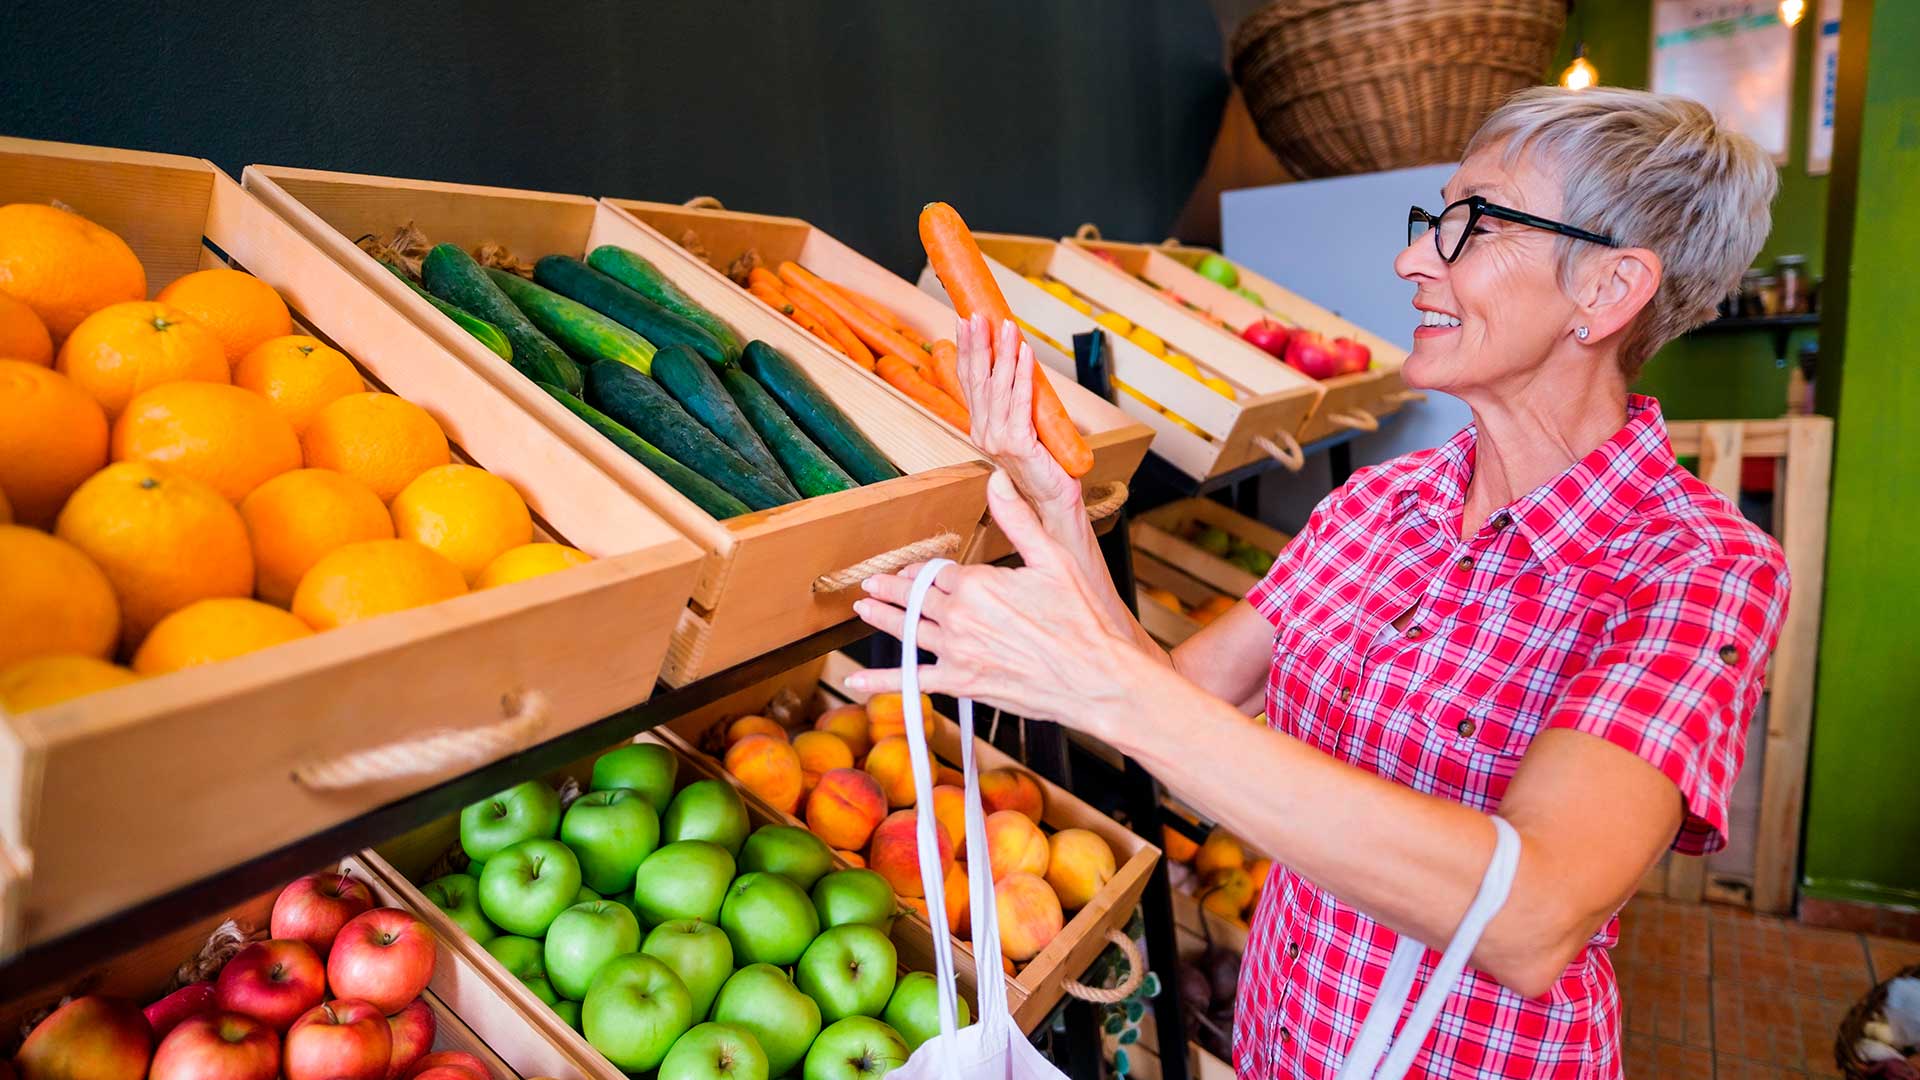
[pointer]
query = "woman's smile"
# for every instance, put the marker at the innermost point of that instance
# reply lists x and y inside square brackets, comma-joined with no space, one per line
[1435,322]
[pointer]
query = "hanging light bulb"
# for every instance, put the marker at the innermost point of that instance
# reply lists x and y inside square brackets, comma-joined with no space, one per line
[1792,11]
[1581,73]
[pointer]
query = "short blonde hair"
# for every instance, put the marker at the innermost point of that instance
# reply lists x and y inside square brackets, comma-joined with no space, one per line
[1652,171]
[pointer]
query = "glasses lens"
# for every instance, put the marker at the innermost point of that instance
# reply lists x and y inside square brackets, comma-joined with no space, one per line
[1453,229]
[1418,222]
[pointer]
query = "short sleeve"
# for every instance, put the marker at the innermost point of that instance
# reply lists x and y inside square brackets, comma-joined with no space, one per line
[1273,594]
[1677,676]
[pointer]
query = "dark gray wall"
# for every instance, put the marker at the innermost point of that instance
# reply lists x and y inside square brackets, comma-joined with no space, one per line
[1030,116]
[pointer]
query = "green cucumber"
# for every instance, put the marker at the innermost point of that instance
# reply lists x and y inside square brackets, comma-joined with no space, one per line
[576,280]
[451,274]
[811,470]
[818,417]
[705,493]
[584,333]
[483,331]
[693,384]
[646,279]
[638,403]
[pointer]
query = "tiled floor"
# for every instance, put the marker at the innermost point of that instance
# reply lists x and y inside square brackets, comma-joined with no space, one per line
[1712,993]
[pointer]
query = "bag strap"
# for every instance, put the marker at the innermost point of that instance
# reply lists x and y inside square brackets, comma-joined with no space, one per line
[1376,1031]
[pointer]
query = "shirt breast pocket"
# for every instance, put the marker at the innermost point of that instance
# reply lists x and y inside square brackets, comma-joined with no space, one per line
[1300,658]
[1470,747]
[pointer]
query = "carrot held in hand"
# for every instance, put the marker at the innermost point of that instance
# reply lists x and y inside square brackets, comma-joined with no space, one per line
[963,271]
[877,335]
[944,369]
[909,381]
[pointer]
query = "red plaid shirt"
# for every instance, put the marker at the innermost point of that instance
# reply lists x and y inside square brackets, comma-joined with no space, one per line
[1624,598]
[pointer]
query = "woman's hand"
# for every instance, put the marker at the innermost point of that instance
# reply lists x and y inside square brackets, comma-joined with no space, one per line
[996,375]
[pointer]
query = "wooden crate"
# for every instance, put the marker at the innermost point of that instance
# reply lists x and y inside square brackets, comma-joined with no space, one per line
[1273,401]
[237,746]
[769,577]
[1162,623]
[1161,533]
[1118,441]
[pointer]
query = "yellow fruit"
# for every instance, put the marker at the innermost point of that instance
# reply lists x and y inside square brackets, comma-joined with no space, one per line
[374,577]
[1220,386]
[1137,396]
[63,266]
[296,518]
[1115,322]
[1222,904]
[1148,340]
[1178,846]
[1189,425]
[49,680]
[381,440]
[121,350]
[53,599]
[164,541]
[1183,364]
[1221,851]
[225,436]
[1079,305]
[22,335]
[1058,289]
[1235,883]
[299,376]
[1164,597]
[240,309]
[465,513]
[209,631]
[1034,279]
[529,561]
[52,437]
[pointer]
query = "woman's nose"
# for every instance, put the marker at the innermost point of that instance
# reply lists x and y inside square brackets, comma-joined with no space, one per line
[1420,260]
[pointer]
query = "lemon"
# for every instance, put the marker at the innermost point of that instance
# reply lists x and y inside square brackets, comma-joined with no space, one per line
[1115,322]
[1137,396]
[1032,279]
[1079,305]
[1183,364]
[1148,340]
[1189,425]
[1058,289]
[1220,386]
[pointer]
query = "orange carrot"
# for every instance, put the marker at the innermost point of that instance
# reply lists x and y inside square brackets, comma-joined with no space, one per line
[880,311]
[820,330]
[848,341]
[874,333]
[945,369]
[962,269]
[904,378]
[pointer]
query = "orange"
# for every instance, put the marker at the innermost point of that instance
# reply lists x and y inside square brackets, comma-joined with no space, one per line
[297,517]
[298,375]
[527,561]
[1220,851]
[1177,845]
[6,508]
[164,540]
[63,266]
[124,349]
[209,631]
[49,680]
[381,440]
[465,513]
[240,309]
[229,437]
[374,577]
[52,437]
[22,335]
[53,599]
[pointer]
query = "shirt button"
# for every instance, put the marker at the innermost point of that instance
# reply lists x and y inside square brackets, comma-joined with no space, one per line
[1293,950]
[1285,1036]
[1414,633]
[1346,694]
[1466,728]
[1729,654]
[1501,521]
[1465,564]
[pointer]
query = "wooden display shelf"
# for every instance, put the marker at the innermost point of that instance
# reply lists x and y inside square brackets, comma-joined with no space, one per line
[1162,623]
[236,746]
[1161,533]
[765,579]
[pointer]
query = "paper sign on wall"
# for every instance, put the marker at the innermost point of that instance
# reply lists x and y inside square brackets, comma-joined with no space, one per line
[1734,56]
[1826,79]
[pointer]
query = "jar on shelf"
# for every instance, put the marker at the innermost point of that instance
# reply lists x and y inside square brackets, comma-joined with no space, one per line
[1792,273]
[1747,300]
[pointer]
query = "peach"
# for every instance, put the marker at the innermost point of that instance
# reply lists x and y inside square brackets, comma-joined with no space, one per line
[887,716]
[753,725]
[850,723]
[895,854]
[1233,884]
[852,858]
[891,762]
[950,806]
[948,777]
[1258,870]
[957,901]
[1011,789]
[1222,904]
[1029,913]
[1078,864]
[770,768]
[1178,845]
[845,807]
[820,752]
[1220,852]
[1015,845]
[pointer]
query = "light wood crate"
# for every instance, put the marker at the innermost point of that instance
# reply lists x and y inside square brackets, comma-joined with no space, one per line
[235,746]
[1162,623]
[1117,440]
[1272,403]
[1161,533]
[764,581]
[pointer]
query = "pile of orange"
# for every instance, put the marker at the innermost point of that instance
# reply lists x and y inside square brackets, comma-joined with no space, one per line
[186,480]
[1225,874]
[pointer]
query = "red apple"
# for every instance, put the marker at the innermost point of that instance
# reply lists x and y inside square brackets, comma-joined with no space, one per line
[456,1061]
[1354,357]
[222,1046]
[88,1038]
[1312,355]
[442,1072]
[384,956]
[314,908]
[193,999]
[273,982]
[1268,335]
[345,1039]
[412,1037]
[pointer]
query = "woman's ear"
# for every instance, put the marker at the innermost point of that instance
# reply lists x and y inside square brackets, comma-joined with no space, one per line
[1622,285]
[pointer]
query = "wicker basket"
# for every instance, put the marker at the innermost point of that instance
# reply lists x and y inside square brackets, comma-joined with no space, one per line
[1849,1033]
[1345,86]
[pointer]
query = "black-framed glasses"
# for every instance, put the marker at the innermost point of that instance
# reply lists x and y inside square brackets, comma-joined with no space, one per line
[1458,221]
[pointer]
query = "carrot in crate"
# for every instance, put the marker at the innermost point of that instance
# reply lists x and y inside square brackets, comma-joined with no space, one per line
[876,334]
[944,369]
[809,302]
[907,379]
[880,311]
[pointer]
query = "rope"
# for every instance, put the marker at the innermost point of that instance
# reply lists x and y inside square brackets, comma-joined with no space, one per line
[941,546]
[704,202]
[1112,496]
[433,753]
[1401,397]
[227,938]
[1287,452]
[1087,231]
[1136,972]
[1358,420]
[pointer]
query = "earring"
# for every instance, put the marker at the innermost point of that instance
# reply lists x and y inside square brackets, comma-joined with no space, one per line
[1580,332]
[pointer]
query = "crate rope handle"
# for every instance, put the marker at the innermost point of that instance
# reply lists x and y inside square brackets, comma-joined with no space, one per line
[1112,496]
[1404,397]
[1358,420]
[1087,231]
[1287,451]
[704,202]
[1113,995]
[433,753]
[888,562]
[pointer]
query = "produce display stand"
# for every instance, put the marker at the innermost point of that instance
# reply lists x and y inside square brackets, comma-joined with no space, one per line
[769,577]
[1160,533]
[259,752]
[1162,623]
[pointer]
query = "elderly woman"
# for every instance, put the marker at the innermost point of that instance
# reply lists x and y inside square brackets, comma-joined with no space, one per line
[1544,619]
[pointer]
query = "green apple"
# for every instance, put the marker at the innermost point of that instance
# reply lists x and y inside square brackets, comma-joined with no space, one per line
[459,896]
[647,768]
[634,1011]
[528,811]
[768,919]
[1218,270]
[707,810]
[855,896]
[857,1048]
[568,1011]
[697,952]
[761,999]
[584,937]
[849,970]
[788,850]
[525,960]
[1250,296]
[715,1052]
[683,880]
[528,884]
[611,831]
[914,1009]
[585,894]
